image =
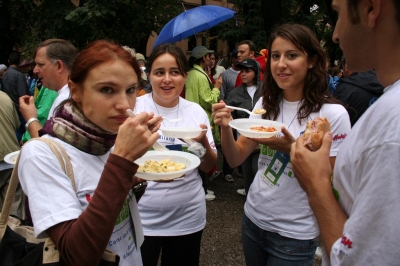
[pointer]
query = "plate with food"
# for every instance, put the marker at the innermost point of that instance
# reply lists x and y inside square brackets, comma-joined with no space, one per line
[256,128]
[165,165]
[182,132]
[11,158]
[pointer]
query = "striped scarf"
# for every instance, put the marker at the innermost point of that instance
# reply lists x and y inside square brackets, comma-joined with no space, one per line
[72,127]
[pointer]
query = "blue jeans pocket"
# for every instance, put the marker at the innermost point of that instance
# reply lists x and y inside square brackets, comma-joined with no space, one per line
[301,248]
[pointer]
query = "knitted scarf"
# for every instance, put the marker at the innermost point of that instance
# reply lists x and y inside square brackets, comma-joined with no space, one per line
[72,127]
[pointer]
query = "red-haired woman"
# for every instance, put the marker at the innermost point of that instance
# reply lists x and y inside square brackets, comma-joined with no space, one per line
[102,142]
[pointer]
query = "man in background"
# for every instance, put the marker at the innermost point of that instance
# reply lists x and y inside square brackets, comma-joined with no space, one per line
[53,59]
[357,91]
[15,86]
[229,76]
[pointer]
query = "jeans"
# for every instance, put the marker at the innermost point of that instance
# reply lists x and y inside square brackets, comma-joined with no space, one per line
[264,248]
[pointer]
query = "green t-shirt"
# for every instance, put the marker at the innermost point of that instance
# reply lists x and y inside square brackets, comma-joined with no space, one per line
[43,103]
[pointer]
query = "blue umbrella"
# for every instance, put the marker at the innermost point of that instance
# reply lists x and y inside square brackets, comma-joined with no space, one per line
[193,21]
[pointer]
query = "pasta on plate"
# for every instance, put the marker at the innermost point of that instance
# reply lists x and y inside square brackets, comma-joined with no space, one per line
[163,166]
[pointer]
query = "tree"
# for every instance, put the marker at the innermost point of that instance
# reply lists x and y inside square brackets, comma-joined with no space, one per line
[257,18]
[128,22]
[249,24]
[12,25]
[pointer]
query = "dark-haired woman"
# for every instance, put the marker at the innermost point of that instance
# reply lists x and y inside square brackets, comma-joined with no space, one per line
[214,70]
[174,213]
[278,226]
[102,142]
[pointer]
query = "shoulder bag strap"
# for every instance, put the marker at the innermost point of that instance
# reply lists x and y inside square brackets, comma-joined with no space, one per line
[208,78]
[66,166]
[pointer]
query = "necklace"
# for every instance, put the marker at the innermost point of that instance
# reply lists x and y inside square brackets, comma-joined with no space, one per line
[293,117]
[109,152]
[159,113]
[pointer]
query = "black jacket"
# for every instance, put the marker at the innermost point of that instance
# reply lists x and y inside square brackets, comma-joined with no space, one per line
[357,92]
[239,97]
[15,85]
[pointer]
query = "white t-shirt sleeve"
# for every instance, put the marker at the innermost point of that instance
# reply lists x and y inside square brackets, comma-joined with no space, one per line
[44,182]
[340,127]
[374,221]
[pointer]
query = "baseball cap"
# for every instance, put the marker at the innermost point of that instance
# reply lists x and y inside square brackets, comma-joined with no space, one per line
[200,51]
[2,67]
[234,53]
[249,63]
[139,56]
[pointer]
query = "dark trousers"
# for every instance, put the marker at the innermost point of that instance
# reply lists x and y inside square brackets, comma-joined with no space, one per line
[249,169]
[21,130]
[175,250]
[203,176]
[226,169]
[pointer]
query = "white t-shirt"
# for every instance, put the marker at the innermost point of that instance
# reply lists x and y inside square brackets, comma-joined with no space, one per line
[175,208]
[63,94]
[52,199]
[367,182]
[218,71]
[275,201]
[251,91]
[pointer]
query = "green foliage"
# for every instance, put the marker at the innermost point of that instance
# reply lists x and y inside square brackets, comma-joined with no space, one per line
[128,22]
[13,26]
[257,18]
[249,24]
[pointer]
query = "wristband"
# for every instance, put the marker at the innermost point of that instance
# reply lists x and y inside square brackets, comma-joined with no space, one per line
[140,187]
[30,121]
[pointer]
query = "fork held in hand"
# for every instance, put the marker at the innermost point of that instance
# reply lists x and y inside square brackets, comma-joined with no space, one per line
[156,146]
[240,109]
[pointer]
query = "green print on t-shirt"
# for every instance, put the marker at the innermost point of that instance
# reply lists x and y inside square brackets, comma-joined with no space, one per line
[125,212]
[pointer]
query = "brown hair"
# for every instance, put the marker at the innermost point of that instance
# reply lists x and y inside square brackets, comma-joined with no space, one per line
[354,15]
[59,49]
[173,50]
[315,92]
[252,46]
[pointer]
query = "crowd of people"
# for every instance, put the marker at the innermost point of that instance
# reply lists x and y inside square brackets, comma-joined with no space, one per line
[343,196]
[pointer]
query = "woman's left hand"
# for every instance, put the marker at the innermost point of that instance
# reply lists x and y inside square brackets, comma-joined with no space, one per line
[282,143]
[203,135]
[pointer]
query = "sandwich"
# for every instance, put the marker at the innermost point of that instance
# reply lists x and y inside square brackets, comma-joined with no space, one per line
[315,131]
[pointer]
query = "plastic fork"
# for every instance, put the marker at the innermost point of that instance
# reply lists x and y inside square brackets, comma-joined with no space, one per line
[156,145]
[241,109]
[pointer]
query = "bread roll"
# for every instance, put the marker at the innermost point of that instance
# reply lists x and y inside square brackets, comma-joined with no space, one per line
[315,131]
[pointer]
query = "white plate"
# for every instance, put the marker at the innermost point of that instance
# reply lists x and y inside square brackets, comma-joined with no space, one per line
[243,125]
[181,132]
[191,161]
[11,157]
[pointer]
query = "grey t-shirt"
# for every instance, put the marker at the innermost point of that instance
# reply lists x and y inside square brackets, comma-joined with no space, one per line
[229,77]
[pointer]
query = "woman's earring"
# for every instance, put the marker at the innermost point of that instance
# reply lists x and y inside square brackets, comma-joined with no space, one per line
[310,66]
